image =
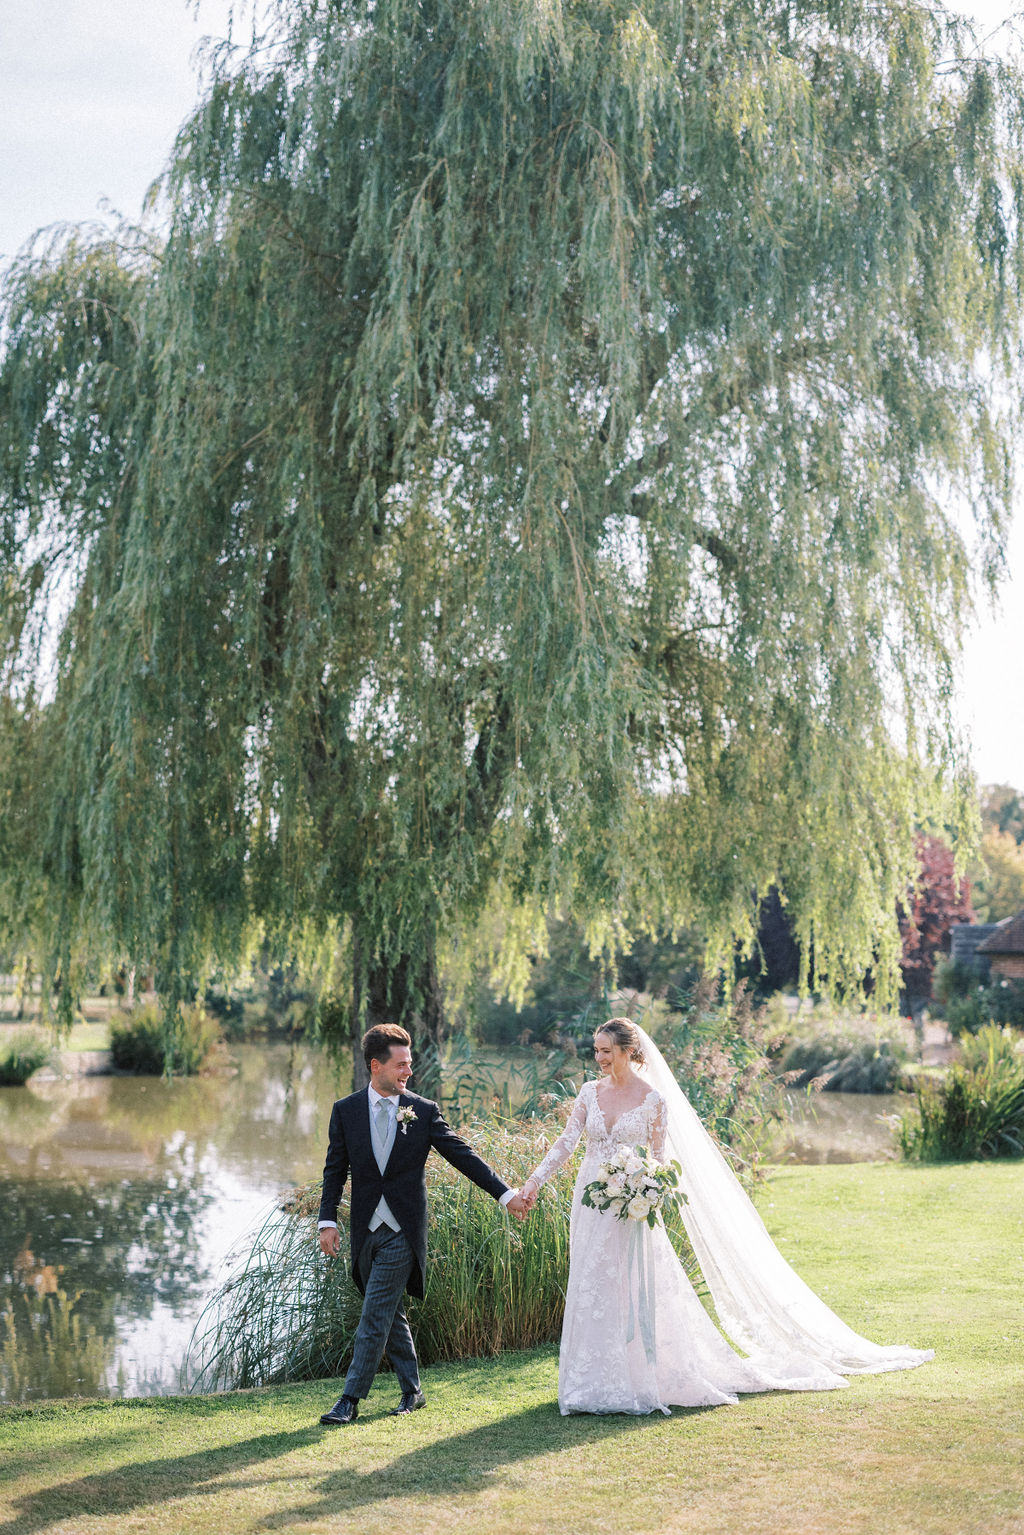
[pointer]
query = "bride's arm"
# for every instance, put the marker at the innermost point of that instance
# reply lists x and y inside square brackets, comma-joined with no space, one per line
[561,1149]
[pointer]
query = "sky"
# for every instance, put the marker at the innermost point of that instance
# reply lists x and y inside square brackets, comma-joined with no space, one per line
[92,93]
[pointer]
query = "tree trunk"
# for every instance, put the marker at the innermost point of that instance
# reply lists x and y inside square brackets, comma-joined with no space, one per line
[405,990]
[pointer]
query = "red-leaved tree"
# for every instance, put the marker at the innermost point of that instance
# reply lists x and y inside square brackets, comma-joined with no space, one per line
[938,900]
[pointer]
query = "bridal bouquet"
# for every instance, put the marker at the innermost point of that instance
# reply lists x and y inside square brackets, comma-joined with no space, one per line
[633,1186]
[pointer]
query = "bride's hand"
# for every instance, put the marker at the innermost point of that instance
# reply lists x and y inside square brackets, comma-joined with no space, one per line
[529,1193]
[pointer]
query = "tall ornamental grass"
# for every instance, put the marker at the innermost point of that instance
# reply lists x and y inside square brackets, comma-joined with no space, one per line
[977,1110]
[493,1283]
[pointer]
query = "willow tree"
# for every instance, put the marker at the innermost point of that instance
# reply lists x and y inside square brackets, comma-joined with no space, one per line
[531,471]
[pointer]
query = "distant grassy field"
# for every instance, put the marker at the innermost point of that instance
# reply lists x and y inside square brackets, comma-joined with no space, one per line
[93,1034]
[928,1256]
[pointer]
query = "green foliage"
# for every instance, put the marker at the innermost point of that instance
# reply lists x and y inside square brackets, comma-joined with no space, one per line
[991,1046]
[21,1054]
[148,1042]
[474,1084]
[1002,810]
[999,1003]
[716,1050]
[510,485]
[952,979]
[840,1051]
[997,879]
[976,1111]
[838,1064]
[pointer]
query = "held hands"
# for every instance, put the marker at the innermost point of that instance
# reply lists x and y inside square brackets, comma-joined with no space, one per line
[517,1206]
[524,1200]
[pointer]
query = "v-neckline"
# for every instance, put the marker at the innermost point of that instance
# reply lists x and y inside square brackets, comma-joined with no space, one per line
[608,1128]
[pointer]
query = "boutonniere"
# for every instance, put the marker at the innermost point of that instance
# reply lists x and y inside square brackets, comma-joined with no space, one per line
[406,1116]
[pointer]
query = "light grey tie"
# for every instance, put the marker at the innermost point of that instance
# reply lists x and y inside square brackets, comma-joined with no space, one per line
[382,1125]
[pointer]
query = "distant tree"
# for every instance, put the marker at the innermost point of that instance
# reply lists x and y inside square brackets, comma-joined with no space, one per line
[997,878]
[939,899]
[510,485]
[1002,810]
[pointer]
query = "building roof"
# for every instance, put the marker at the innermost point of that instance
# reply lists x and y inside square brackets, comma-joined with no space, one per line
[1008,937]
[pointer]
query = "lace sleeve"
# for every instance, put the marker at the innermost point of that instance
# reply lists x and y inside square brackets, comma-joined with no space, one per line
[562,1149]
[659,1126]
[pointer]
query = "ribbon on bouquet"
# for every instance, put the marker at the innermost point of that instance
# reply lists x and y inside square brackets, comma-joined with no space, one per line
[644,1313]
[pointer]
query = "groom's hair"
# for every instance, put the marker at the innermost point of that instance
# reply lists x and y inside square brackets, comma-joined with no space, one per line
[377,1041]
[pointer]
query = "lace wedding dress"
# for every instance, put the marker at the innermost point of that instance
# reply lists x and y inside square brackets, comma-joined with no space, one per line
[636,1338]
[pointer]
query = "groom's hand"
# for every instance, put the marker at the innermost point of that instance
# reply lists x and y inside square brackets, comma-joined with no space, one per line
[518,1207]
[330,1241]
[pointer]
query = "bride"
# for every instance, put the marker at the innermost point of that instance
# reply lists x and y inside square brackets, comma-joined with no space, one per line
[635,1336]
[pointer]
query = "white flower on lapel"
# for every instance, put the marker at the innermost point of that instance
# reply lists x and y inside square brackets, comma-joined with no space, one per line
[406,1116]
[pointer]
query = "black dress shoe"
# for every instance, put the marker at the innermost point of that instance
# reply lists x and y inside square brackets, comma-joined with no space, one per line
[411,1401]
[345,1410]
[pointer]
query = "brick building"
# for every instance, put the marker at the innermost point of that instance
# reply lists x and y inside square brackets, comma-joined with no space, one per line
[1004,949]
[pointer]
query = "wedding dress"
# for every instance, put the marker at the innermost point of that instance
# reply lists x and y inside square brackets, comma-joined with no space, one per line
[636,1338]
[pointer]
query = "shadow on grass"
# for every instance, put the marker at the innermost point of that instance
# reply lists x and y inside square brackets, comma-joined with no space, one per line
[461,1463]
[129,1487]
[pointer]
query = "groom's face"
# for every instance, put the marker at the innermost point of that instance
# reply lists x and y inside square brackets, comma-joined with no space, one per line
[390,1076]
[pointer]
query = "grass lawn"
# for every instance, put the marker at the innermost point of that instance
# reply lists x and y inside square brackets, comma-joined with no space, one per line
[927,1256]
[93,1034]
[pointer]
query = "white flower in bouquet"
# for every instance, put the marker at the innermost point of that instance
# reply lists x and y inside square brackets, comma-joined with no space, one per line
[634,1186]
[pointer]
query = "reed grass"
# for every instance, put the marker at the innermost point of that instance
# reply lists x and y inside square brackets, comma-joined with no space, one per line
[976,1111]
[493,1284]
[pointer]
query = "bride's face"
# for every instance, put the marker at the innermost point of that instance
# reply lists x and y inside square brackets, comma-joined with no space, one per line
[607,1053]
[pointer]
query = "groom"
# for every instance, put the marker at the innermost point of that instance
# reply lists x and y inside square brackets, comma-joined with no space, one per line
[383,1135]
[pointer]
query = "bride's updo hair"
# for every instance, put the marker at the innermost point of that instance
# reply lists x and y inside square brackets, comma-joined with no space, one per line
[624,1033]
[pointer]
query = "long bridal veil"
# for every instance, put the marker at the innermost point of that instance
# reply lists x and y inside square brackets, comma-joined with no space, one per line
[763,1306]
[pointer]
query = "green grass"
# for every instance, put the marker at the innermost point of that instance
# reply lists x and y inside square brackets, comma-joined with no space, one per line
[920,1255]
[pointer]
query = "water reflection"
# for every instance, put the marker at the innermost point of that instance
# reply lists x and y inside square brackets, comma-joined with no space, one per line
[840,1127]
[122,1197]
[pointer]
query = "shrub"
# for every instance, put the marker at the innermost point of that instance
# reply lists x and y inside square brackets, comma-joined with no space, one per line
[1000,1003]
[989,1046]
[20,1055]
[147,1043]
[976,1111]
[953,978]
[838,1064]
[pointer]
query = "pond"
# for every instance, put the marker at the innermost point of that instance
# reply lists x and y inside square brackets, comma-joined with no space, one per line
[840,1127]
[123,1197]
